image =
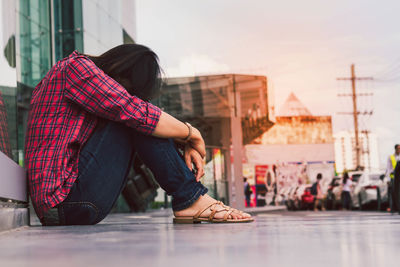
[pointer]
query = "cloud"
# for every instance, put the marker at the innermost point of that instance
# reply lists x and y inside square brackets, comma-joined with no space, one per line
[196,65]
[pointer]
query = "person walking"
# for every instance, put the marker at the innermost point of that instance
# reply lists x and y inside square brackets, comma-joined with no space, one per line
[88,116]
[247,191]
[316,190]
[396,189]
[346,198]
[390,168]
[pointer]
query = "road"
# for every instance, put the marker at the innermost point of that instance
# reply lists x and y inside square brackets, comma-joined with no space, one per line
[298,239]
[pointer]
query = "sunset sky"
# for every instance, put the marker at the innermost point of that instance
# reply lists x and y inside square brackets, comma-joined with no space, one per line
[301,46]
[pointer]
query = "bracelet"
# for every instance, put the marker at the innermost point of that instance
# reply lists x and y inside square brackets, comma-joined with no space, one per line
[190,132]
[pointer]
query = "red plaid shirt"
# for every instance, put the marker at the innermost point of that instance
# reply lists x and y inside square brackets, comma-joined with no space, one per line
[64,109]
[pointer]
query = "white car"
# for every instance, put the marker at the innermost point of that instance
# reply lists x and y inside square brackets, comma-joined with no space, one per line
[283,195]
[291,201]
[369,188]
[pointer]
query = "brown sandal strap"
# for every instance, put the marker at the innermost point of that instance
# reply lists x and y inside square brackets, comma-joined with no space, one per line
[203,210]
[229,212]
[214,210]
[211,217]
[223,209]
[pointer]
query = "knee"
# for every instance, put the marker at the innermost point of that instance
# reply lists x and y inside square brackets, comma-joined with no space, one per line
[79,213]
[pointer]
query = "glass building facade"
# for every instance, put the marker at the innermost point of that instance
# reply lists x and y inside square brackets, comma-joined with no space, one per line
[37,33]
[8,80]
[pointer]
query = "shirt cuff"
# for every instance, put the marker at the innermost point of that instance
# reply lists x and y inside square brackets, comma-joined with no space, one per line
[151,121]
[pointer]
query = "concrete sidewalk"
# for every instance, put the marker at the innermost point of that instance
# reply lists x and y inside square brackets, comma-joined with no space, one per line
[151,239]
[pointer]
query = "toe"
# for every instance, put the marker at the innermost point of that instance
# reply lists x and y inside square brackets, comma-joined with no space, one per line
[238,215]
[246,215]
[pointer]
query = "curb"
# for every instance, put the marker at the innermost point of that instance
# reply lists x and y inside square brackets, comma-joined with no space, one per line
[266,209]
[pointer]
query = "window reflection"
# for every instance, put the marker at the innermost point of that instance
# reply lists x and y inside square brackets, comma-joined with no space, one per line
[8,90]
[5,145]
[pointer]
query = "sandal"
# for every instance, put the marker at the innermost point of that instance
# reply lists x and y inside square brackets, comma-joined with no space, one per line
[214,210]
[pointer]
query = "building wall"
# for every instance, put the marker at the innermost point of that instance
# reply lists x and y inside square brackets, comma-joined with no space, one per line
[299,146]
[345,152]
[299,130]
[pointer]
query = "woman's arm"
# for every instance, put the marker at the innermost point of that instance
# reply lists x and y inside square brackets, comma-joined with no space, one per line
[169,127]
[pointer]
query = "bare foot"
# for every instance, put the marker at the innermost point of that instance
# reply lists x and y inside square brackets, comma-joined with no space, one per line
[205,201]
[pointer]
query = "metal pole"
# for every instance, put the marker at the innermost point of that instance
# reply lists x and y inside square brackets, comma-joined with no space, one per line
[236,180]
[355,115]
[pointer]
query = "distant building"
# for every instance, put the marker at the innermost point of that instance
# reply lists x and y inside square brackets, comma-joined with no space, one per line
[296,125]
[298,146]
[345,152]
[230,110]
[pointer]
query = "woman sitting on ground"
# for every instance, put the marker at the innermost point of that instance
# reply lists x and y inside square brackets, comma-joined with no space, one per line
[88,116]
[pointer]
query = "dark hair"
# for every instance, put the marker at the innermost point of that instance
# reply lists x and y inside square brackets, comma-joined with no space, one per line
[345,177]
[319,176]
[395,146]
[135,67]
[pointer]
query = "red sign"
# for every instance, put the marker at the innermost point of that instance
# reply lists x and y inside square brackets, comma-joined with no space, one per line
[261,173]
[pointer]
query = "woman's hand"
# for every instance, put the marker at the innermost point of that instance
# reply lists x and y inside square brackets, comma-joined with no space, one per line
[169,127]
[196,141]
[192,156]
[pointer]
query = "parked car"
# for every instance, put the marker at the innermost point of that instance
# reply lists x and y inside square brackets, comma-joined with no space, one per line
[355,176]
[294,197]
[369,189]
[333,197]
[282,196]
[291,201]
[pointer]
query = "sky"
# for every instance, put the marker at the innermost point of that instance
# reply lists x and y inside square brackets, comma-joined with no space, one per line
[301,46]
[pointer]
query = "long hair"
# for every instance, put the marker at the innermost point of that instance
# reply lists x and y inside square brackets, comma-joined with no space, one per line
[135,67]
[345,177]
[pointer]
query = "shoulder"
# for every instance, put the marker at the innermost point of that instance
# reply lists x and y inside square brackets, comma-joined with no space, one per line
[81,64]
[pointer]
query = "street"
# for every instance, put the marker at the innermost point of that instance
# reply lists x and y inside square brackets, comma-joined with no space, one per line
[275,239]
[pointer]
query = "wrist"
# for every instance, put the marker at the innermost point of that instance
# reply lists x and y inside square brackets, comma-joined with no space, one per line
[190,132]
[195,134]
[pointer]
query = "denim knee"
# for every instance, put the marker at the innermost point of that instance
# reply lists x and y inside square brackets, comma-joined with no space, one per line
[78,213]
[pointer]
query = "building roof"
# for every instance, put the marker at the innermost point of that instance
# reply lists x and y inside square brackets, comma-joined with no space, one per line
[293,107]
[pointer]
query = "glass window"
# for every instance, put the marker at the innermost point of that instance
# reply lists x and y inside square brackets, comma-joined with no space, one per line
[8,83]
[34,57]
[68,33]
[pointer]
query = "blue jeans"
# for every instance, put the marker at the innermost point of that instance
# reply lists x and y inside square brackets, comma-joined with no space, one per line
[346,200]
[104,163]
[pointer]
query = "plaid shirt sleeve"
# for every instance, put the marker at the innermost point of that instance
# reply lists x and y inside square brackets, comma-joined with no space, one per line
[96,92]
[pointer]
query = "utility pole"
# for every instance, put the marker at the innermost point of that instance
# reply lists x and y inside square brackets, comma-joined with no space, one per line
[366,132]
[355,112]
